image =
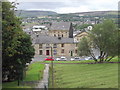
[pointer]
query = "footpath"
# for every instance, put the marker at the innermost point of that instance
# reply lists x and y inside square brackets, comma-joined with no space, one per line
[44,82]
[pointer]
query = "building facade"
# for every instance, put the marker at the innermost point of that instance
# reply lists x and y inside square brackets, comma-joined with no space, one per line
[55,46]
[61,29]
[79,36]
[59,41]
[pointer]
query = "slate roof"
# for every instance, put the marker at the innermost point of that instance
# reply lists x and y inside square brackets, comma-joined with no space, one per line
[60,26]
[43,39]
[79,33]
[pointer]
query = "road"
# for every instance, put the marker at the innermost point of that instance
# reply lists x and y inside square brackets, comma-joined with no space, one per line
[41,58]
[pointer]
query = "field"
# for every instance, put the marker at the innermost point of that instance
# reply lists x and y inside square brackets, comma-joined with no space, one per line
[104,75]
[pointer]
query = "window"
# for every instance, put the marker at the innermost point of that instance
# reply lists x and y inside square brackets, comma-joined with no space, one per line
[62,51]
[62,45]
[47,45]
[54,45]
[40,45]
[55,52]
[58,35]
[54,35]
[76,51]
[47,52]
[40,52]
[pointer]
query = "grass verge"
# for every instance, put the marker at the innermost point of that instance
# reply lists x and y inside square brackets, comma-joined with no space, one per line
[33,74]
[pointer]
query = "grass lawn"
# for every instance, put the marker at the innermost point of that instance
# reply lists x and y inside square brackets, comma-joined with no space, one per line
[34,73]
[13,85]
[103,75]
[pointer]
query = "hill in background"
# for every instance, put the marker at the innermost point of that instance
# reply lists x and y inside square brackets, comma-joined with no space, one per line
[25,13]
[101,14]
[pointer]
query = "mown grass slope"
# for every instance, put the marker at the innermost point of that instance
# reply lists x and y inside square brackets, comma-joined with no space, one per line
[104,75]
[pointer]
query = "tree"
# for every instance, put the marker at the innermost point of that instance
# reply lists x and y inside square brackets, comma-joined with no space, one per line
[82,27]
[17,49]
[85,48]
[105,39]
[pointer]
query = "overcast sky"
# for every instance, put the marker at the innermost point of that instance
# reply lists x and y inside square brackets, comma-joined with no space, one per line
[68,6]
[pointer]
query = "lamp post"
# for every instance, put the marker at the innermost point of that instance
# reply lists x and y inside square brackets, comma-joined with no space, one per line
[52,69]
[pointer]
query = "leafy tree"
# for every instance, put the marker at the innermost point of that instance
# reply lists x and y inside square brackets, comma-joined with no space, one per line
[83,26]
[85,48]
[17,48]
[105,39]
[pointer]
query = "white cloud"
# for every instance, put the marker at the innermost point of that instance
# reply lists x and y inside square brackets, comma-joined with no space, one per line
[71,6]
[72,9]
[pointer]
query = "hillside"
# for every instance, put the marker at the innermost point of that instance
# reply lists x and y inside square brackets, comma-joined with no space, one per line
[24,13]
[94,13]
[105,14]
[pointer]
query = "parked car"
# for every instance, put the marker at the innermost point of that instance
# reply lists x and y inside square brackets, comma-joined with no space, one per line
[57,59]
[62,58]
[76,58]
[88,58]
[49,59]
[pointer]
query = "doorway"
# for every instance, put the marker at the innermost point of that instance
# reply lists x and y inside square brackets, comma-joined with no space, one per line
[71,53]
[47,52]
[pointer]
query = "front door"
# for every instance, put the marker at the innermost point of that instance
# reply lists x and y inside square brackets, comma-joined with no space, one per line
[47,52]
[71,53]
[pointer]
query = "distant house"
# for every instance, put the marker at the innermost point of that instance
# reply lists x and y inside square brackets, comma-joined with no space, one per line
[80,35]
[61,29]
[38,28]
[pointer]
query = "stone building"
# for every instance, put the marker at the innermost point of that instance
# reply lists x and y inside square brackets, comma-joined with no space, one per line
[59,41]
[56,46]
[80,35]
[61,29]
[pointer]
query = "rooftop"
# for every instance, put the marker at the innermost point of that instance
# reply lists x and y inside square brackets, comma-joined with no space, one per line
[44,39]
[60,26]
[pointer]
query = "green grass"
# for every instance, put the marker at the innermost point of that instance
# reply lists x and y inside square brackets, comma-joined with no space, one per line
[103,75]
[13,85]
[34,72]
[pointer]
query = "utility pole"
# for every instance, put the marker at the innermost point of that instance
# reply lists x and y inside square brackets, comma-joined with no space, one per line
[52,69]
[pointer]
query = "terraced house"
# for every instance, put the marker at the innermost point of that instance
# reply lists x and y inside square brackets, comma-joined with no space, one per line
[58,42]
[57,46]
